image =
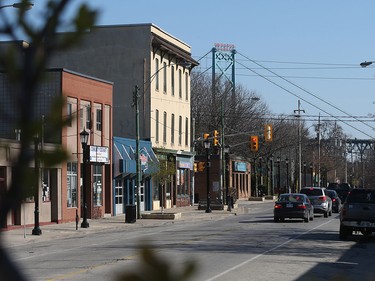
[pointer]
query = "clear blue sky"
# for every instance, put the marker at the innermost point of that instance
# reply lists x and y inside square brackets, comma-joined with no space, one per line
[317,45]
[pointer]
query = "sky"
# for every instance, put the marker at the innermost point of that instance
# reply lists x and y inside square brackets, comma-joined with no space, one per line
[287,51]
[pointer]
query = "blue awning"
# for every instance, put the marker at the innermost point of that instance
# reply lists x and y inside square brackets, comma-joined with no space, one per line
[124,162]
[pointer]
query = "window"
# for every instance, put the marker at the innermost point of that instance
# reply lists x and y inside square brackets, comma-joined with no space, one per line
[186,86]
[172,80]
[180,84]
[165,127]
[72,185]
[81,119]
[69,114]
[157,75]
[172,128]
[165,78]
[186,131]
[99,116]
[157,125]
[97,185]
[180,130]
[88,117]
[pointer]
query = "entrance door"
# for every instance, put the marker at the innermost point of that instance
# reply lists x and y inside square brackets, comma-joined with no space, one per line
[142,197]
[119,197]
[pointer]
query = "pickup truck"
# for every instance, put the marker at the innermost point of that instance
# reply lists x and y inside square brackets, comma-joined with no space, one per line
[358,213]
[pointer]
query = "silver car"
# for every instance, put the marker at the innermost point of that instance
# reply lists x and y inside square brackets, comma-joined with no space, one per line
[319,199]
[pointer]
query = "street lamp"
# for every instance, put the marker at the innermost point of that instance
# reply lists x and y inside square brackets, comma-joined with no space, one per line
[84,137]
[36,230]
[207,145]
[226,173]
[26,6]
[304,174]
[278,174]
[311,174]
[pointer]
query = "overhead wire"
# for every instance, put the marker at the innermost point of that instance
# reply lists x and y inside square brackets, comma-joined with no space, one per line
[308,92]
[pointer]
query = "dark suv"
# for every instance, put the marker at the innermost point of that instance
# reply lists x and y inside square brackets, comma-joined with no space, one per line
[319,199]
[358,213]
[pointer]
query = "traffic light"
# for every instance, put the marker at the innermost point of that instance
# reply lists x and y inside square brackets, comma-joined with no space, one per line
[201,166]
[254,143]
[216,138]
[268,132]
[205,136]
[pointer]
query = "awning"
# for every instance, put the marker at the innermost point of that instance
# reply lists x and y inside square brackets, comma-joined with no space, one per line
[124,153]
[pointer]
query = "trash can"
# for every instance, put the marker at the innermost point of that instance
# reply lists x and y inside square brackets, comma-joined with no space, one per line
[130,214]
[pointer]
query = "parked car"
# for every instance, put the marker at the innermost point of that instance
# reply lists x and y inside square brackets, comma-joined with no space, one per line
[342,189]
[293,206]
[336,201]
[358,213]
[319,199]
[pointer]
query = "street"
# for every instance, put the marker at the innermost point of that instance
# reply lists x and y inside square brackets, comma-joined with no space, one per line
[246,246]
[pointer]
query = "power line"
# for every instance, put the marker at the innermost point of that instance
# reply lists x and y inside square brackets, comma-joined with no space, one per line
[310,93]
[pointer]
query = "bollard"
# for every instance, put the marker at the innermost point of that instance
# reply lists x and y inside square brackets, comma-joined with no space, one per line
[77,219]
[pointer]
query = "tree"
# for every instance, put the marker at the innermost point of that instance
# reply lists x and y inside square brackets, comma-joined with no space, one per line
[24,68]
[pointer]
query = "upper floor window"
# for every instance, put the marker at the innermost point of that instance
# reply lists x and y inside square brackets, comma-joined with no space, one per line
[180,84]
[180,130]
[165,127]
[186,86]
[172,128]
[69,113]
[157,125]
[88,117]
[157,74]
[99,118]
[187,131]
[165,77]
[172,80]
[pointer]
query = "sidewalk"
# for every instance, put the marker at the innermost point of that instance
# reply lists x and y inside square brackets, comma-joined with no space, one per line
[21,236]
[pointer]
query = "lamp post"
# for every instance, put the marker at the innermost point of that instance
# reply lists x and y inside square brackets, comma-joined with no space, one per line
[304,174]
[287,174]
[20,5]
[36,230]
[84,136]
[226,173]
[311,174]
[278,175]
[207,145]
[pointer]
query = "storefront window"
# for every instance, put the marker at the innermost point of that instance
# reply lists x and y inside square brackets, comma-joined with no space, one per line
[97,186]
[72,185]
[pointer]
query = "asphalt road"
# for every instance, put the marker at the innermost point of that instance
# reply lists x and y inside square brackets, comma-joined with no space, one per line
[246,246]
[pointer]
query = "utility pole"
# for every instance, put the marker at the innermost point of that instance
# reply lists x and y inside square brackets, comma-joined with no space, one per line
[137,159]
[298,115]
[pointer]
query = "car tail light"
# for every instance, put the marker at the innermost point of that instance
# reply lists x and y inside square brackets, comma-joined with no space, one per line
[324,198]
[301,206]
[334,199]
[278,206]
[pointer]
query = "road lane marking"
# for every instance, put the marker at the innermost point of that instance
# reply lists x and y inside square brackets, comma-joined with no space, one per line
[264,253]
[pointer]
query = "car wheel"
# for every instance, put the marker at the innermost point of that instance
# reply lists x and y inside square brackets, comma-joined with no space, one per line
[312,216]
[345,231]
[276,219]
[326,214]
[330,213]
